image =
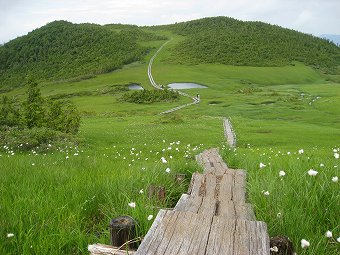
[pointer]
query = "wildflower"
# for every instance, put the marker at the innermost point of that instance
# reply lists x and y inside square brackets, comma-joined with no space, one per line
[10,235]
[33,164]
[328,234]
[301,151]
[312,172]
[262,165]
[335,179]
[266,193]
[282,173]
[274,249]
[132,204]
[279,214]
[167,170]
[164,160]
[67,157]
[304,243]
[336,155]
[141,191]
[150,217]
[335,150]
[338,239]
[322,165]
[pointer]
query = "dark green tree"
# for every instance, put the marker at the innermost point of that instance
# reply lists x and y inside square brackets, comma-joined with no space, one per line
[33,106]
[55,116]
[9,114]
[71,119]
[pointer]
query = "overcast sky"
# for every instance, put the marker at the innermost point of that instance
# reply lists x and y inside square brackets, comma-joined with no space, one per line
[18,17]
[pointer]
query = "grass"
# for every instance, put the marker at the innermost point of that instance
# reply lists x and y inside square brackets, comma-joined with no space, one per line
[299,205]
[59,205]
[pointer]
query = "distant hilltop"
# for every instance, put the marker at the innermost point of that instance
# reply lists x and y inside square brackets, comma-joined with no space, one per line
[62,50]
[333,38]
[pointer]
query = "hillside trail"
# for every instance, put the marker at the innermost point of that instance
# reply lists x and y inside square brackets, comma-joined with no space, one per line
[196,100]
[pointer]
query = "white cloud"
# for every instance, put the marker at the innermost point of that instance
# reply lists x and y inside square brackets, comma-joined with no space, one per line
[18,17]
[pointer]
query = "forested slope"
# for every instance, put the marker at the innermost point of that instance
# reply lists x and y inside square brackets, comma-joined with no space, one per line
[229,41]
[62,50]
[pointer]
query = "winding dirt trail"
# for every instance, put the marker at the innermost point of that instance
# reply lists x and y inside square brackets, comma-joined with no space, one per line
[157,86]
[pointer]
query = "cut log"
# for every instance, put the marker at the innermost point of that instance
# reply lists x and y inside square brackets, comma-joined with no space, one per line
[102,249]
[122,229]
[157,192]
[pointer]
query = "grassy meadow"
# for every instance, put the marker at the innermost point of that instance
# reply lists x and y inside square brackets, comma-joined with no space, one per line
[60,201]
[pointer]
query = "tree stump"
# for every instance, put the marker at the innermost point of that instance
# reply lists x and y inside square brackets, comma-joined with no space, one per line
[283,246]
[122,229]
[157,191]
[180,178]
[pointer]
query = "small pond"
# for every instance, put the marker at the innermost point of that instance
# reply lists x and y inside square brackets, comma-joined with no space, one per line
[135,87]
[186,85]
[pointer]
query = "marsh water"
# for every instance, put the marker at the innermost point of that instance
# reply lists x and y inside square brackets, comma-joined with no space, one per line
[186,85]
[135,87]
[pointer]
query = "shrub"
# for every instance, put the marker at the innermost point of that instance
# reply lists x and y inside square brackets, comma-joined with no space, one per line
[150,96]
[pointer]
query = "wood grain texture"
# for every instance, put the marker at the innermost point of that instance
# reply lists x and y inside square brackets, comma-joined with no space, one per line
[212,218]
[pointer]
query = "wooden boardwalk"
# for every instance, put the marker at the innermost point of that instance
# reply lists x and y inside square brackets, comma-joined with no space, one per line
[196,100]
[229,133]
[212,218]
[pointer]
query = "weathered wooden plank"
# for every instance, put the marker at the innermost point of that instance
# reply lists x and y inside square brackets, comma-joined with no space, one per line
[102,249]
[239,190]
[154,234]
[251,238]
[189,204]
[195,184]
[173,226]
[226,187]
[200,235]
[209,186]
[207,207]
[221,239]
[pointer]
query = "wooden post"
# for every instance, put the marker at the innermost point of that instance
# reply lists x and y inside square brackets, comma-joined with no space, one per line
[180,178]
[122,229]
[283,245]
[157,191]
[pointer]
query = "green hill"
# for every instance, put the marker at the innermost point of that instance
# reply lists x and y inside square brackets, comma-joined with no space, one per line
[62,50]
[229,41]
[65,51]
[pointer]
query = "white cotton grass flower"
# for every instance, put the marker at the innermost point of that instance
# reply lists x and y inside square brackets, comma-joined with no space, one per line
[329,234]
[266,193]
[304,243]
[282,173]
[150,217]
[301,151]
[262,165]
[141,191]
[132,204]
[274,249]
[336,155]
[312,172]
[335,179]
[9,235]
[167,170]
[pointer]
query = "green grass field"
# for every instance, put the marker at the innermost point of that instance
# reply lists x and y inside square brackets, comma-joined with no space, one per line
[60,202]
